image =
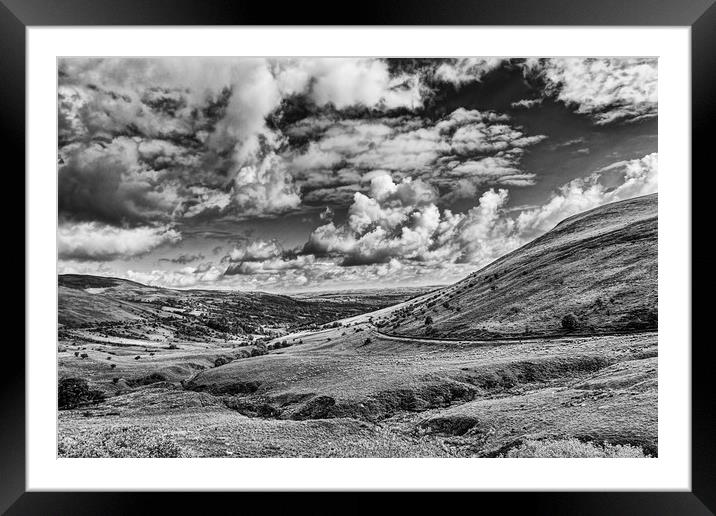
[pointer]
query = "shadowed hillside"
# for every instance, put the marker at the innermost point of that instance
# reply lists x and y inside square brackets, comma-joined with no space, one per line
[594,272]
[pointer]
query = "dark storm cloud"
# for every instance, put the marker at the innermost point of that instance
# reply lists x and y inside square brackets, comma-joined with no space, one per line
[104,182]
[340,195]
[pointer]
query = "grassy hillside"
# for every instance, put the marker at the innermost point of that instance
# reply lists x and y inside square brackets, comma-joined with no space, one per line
[599,266]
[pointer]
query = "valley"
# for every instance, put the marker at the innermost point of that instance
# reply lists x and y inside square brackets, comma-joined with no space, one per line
[555,342]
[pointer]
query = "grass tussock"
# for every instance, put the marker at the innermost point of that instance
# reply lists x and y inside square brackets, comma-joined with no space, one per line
[574,448]
[121,442]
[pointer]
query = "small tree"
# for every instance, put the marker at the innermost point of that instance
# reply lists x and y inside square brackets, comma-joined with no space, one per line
[570,322]
[428,320]
[259,350]
[73,392]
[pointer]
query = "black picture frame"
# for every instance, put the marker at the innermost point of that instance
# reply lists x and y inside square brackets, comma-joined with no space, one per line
[700,15]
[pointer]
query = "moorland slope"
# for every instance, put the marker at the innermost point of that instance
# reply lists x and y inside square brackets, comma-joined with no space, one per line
[598,269]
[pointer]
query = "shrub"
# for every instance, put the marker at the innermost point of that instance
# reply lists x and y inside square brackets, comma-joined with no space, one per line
[77,353]
[428,320]
[367,341]
[570,322]
[172,346]
[112,365]
[118,442]
[572,447]
[220,361]
[259,350]
[84,355]
[73,392]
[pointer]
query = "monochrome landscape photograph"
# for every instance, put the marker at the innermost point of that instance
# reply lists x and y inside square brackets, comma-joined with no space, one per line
[357,257]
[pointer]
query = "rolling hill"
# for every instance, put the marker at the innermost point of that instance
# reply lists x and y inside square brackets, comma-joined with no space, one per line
[600,266]
[121,308]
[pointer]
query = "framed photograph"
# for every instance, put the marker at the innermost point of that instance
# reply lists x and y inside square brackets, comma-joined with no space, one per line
[443,248]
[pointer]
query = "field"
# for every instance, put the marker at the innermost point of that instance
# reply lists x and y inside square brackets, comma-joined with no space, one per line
[549,351]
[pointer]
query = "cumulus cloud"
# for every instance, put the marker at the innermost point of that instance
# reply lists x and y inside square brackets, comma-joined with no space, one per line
[489,230]
[478,132]
[160,140]
[348,82]
[401,220]
[608,90]
[265,188]
[466,69]
[254,95]
[526,103]
[98,242]
[458,152]
[108,182]
[393,220]
[168,138]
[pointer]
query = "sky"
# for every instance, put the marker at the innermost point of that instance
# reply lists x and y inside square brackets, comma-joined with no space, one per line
[299,174]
